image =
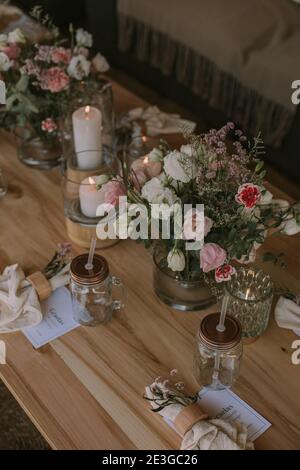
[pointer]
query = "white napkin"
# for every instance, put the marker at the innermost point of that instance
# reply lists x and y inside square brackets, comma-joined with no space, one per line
[210,434]
[287,314]
[19,303]
[158,122]
[19,306]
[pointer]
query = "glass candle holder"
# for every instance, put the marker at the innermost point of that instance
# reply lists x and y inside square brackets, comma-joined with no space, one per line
[250,294]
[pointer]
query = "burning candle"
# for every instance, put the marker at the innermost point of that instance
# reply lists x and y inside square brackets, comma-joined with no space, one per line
[87,127]
[90,198]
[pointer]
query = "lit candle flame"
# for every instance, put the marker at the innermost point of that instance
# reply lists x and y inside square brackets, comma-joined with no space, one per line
[146,160]
[144,139]
[91,180]
[87,111]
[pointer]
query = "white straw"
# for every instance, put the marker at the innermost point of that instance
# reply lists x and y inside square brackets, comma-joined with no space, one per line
[221,325]
[89,265]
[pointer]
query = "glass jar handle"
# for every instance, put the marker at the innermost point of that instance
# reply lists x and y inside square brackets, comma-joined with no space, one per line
[119,303]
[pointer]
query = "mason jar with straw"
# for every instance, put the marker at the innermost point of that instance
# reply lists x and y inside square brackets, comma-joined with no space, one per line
[218,351]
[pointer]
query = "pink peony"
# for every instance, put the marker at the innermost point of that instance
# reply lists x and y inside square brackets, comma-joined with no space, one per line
[61,55]
[12,51]
[112,191]
[54,80]
[248,195]
[211,257]
[224,273]
[48,125]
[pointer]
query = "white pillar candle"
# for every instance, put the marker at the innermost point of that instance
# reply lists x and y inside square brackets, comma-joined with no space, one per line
[89,196]
[87,128]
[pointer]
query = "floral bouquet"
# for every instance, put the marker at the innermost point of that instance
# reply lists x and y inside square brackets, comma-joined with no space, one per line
[220,170]
[41,78]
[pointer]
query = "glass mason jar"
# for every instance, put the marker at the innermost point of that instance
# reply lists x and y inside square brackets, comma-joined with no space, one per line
[218,354]
[92,300]
[177,291]
[250,295]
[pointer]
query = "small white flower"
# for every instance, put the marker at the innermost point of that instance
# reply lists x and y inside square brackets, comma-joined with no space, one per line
[291,227]
[16,36]
[155,192]
[155,155]
[100,63]
[176,260]
[84,38]
[266,197]
[179,166]
[79,67]
[5,63]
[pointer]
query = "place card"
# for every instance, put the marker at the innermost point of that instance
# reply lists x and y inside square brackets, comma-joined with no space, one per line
[57,319]
[225,404]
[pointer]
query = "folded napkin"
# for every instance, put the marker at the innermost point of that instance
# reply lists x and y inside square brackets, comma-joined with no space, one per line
[158,123]
[287,314]
[20,296]
[199,432]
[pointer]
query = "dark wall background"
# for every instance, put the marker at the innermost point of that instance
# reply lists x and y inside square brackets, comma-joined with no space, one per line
[62,11]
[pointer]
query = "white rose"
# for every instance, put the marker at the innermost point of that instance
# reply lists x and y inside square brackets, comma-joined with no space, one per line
[155,192]
[291,227]
[16,36]
[176,260]
[83,38]
[79,67]
[100,63]
[187,150]
[155,155]
[179,166]
[5,63]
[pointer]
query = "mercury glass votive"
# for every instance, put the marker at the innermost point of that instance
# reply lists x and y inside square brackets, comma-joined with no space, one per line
[250,294]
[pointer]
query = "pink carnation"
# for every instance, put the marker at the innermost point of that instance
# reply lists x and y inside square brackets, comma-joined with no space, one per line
[224,273]
[48,125]
[54,80]
[61,55]
[211,257]
[43,53]
[248,195]
[112,191]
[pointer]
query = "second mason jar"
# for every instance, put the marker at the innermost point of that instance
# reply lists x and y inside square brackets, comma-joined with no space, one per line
[218,353]
[91,289]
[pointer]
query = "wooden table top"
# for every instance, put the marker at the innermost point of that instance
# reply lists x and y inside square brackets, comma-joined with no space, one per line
[84,391]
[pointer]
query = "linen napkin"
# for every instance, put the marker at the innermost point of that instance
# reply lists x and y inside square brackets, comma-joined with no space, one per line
[207,434]
[287,314]
[158,122]
[19,303]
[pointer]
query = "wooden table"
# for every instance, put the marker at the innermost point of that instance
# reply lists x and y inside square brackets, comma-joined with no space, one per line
[84,391]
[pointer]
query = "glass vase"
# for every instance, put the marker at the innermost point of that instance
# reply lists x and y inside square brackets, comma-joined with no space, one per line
[175,290]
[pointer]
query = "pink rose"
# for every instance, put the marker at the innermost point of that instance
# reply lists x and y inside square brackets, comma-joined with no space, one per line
[12,51]
[54,80]
[112,191]
[248,195]
[48,125]
[61,55]
[224,273]
[211,257]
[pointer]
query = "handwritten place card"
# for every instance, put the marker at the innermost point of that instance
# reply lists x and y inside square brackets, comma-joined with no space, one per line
[57,319]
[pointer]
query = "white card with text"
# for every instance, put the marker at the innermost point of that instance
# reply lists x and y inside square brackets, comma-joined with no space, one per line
[57,319]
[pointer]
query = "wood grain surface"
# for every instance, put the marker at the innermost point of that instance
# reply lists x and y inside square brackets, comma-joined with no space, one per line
[84,391]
